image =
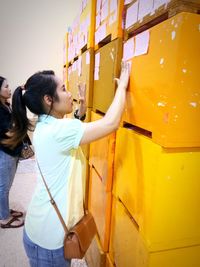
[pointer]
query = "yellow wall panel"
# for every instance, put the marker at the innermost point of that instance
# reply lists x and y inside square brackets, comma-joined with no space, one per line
[86,74]
[100,206]
[102,155]
[106,69]
[95,257]
[160,188]
[87,25]
[127,247]
[164,94]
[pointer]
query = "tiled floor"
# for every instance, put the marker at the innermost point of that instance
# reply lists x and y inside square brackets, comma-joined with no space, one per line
[11,248]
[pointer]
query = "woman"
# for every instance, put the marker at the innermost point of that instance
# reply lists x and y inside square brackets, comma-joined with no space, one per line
[56,141]
[8,162]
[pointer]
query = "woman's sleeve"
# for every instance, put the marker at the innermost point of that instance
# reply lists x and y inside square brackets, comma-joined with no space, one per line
[68,133]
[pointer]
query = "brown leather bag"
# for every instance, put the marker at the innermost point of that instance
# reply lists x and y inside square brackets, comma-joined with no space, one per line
[78,239]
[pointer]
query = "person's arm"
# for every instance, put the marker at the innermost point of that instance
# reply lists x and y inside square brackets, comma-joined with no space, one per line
[110,122]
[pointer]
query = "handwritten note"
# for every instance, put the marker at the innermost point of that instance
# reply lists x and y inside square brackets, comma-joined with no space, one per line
[104,11]
[79,63]
[113,18]
[126,2]
[128,49]
[131,15]
[158,3]
[145,8]
[142,43]
[98,20]
[100,34]
[97,60]
[113,5]
[87,57]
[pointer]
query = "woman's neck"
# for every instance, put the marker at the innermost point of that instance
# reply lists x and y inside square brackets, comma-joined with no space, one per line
[3,101]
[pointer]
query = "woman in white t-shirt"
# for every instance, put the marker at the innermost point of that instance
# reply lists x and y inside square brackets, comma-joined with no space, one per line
[56,142]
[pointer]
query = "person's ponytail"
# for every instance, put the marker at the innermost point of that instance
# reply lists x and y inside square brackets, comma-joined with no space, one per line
[20,121]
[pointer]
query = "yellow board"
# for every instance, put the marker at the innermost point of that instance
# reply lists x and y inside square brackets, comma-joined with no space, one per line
[127,248]
[73,79]
[86,74]
[82,71]
[109,263]
[109,14]
[102,156]
[160,188]
[107,67]
[87,25]
[65,50]
[164,93]
[140,15]
[95,257]
[100,206]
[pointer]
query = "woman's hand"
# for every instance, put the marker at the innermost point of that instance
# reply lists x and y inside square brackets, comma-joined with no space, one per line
[82,92]
[124,76]
[82,99]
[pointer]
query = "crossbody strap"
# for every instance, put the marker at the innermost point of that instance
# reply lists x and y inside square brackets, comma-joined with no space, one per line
[54,203]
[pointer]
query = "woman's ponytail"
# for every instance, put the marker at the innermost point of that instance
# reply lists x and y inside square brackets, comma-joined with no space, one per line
[20,121]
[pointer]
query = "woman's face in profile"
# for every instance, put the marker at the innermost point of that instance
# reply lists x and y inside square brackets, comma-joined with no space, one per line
[5,92]
[64,104]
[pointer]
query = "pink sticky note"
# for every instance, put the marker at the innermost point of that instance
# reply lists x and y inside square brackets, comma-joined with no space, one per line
[79,65]
[126,2]
[158,3]
[98,20]
[145,8]
[104,11]
[87,57]
[142,43]
[113,5]
[100,34]
[128,50]
[97,60]
[131,15]
[96,73]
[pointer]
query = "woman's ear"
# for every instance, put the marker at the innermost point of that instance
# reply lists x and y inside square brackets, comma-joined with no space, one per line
[48,100]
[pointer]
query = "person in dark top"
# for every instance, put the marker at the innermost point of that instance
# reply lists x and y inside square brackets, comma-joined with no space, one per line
[9,218]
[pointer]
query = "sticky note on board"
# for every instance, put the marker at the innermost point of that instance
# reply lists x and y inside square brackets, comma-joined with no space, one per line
[131,15]
[74,66]
[96,73]
[128,49]
[126,2]
[98,5]
[97,60]
[142,43]
[87,57]
[158,3]
[113,5]
[98,20]
[104,11]
[100,34]
[113,18]
[79,63]
[145,8]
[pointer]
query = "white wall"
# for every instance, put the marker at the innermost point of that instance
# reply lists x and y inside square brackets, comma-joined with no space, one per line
[31,36]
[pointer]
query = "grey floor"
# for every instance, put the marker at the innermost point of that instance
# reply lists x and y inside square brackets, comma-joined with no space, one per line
[11,248]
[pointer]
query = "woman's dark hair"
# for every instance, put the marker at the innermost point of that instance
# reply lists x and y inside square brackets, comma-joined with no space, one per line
[37,86]
[2,79]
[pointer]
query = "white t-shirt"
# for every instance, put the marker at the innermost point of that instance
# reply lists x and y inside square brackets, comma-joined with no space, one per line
[56,143]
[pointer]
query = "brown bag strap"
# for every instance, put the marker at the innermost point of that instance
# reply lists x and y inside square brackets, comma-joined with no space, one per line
[54,203]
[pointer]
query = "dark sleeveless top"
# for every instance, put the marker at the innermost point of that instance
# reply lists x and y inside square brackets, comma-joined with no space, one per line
[5,124]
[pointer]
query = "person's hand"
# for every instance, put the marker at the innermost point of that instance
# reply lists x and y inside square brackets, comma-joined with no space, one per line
[82,92]
[124,76]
